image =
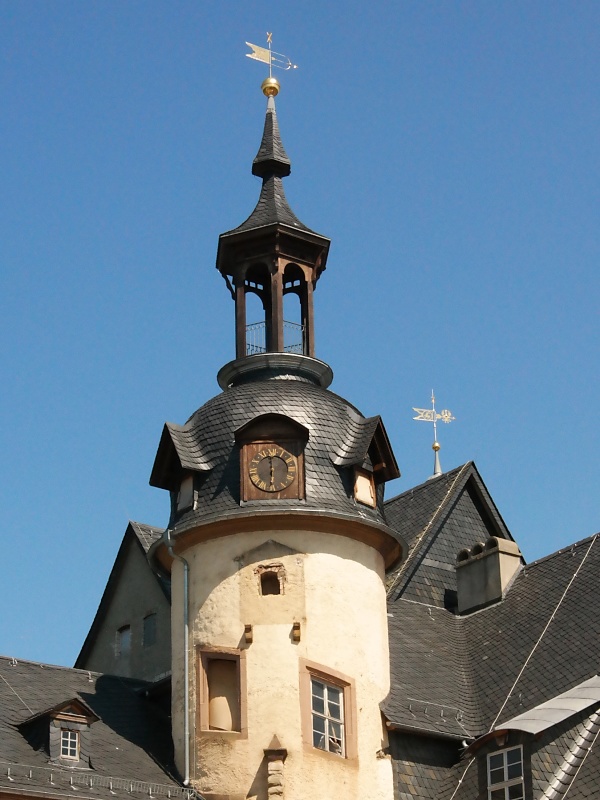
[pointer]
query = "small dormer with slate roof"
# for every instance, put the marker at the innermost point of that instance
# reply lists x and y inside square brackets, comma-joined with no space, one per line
[64,731]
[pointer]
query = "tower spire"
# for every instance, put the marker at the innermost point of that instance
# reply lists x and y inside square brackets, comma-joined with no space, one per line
[272,254]
[271,158]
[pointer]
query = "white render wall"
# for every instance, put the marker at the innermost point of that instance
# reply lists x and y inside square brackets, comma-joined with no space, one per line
[334,588]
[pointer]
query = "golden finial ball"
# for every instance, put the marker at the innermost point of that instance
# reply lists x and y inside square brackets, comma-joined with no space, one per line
[435,446]
[270,87]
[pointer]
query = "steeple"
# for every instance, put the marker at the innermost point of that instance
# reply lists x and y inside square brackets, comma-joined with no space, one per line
[272,254]
[271,158]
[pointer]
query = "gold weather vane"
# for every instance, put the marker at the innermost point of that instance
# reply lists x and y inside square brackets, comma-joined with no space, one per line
[430,415]
[270,57]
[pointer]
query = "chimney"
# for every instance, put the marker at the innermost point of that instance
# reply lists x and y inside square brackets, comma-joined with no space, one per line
[484,572]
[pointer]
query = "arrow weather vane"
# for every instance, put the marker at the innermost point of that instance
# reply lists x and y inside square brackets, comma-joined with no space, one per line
[430,415]
[269,56]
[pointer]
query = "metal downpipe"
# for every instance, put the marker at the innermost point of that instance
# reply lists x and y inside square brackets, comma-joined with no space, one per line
[186,655]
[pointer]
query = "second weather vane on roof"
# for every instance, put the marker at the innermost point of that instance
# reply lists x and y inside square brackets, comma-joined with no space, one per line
[431,415]
[273,59]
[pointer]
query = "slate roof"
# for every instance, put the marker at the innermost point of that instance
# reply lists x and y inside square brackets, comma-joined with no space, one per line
[131,748]
[551,613]
[146,534]
[271,164]
[206,443]
[462,676]
[271,158]
[437,519]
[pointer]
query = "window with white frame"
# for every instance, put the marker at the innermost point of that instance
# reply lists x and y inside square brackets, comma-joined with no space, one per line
[327,706]
[505,774]
[69,744]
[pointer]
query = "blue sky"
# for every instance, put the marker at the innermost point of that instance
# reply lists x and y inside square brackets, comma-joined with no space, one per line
[449,149]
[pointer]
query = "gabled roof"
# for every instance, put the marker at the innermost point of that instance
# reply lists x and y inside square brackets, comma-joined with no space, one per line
[365,439]
[528,663]
[131,748]
[145,536]
[179,450]
[439,518]
[73,706]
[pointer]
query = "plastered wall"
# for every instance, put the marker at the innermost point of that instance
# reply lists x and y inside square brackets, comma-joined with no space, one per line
[334,588]
[137,594]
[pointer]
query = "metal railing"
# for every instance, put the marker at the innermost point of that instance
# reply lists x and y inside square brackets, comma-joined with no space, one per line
[256,338]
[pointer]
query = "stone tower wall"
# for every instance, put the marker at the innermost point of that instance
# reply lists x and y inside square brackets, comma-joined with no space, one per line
[328,621]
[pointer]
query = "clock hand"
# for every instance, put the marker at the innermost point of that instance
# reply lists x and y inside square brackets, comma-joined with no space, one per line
[271,471]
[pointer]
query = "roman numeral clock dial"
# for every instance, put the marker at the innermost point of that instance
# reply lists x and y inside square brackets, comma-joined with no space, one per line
[272,469]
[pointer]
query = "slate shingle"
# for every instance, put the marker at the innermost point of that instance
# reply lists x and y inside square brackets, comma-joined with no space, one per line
[130,742]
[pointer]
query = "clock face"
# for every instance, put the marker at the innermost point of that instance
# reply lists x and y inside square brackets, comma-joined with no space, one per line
[272,469]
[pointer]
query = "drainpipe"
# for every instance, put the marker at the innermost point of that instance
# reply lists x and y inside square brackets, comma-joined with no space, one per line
[186,654]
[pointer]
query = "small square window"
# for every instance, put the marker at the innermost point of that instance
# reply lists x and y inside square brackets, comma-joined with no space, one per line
[69,744]
[505,774]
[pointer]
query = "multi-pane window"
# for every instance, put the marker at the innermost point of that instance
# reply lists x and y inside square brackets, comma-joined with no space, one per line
[505,775]
[69,744]
[327,705]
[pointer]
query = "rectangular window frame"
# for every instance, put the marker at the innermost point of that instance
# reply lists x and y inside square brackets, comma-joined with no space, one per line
[67,738]
[150,629]
[495,786]
[309,672]
[328,724]
[203,656]
[123,633]
[365,492]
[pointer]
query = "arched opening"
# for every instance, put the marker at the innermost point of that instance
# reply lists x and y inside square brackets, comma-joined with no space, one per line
[294,314]
[256,298]
[256,325]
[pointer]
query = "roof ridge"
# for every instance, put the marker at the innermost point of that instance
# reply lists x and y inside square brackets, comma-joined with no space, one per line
[561,552]
[18,661]
[417,543]
[145,525]
[427,483]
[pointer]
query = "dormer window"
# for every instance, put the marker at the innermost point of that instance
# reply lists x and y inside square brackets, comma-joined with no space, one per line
[185,498]
[272,458]
[505,774]
[66,729]
[69,744]
[364,487]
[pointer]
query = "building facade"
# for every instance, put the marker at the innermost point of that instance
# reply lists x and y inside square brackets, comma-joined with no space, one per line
[291,633]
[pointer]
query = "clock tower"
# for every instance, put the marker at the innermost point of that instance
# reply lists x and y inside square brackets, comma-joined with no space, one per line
[277,545]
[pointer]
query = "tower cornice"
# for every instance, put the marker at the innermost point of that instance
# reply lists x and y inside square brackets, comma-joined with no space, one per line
[374,534]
